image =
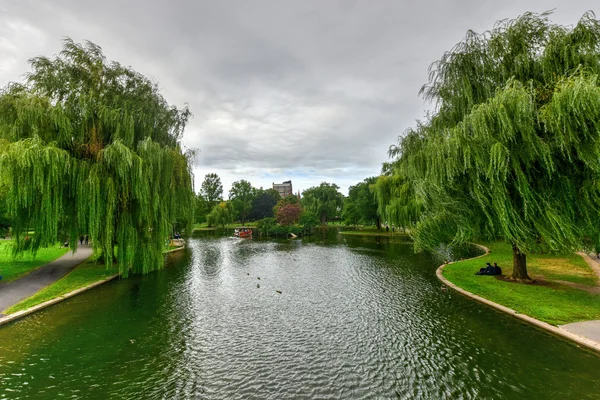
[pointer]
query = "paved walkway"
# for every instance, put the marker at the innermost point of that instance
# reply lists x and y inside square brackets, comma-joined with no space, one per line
[587,329]
[13,292]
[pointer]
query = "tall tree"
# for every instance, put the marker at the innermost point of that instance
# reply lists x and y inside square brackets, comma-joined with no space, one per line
[512,150]
[201,209]
[221,214]
[263,203]
[212,190]
[241,195]
[5,221]
[91,146]
[360,206]
[324,200]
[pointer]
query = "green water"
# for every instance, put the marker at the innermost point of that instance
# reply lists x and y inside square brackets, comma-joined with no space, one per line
[356,318]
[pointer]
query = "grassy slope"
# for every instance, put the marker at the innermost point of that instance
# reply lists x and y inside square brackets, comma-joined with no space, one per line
[13,268]
[554,303]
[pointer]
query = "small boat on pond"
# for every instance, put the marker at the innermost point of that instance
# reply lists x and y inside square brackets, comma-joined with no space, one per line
[243,233]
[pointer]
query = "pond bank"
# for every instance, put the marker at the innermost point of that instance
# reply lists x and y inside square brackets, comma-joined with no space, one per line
[79,280]
[549,305]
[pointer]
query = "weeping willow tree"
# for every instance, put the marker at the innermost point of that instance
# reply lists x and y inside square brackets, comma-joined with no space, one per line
[221,214]
[89,146]
[324,200]
[512,149]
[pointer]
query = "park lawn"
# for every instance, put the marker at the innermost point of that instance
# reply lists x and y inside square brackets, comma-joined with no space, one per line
[83,275]
[204,226]
[12,268]
[550,302]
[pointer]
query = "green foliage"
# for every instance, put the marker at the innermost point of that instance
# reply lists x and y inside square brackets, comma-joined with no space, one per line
[360,206]
[201,209]
[15,266]
[512,149]
[212,190]
[266,226]
[222,214]
[323,200]
[90,146]
[241,195]
[263,203]
[5,221]
[308,220]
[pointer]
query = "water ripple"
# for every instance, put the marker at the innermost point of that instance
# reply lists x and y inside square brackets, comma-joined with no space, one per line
[286,320]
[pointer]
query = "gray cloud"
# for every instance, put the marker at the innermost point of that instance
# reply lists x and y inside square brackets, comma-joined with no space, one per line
[305,90]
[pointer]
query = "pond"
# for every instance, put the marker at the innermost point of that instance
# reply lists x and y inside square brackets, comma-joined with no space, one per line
[329,318]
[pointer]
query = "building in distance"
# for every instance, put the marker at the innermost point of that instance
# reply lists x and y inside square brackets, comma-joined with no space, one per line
[284,189]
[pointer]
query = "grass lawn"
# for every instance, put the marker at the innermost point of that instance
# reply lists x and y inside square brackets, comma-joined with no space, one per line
[83,275]
[550,302]
[12,268]
[204,226]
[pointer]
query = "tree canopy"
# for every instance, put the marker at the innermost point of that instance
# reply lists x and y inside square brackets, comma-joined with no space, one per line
[241,195]
[324,200]
[212,190]
[263,203]
[221,214]
[512,149]
[90,146]
[360,207]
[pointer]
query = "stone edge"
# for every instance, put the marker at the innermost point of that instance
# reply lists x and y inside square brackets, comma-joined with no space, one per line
[38,307]
[591,344]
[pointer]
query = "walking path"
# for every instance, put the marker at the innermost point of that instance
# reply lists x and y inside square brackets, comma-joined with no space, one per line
[13,292]
[588,329]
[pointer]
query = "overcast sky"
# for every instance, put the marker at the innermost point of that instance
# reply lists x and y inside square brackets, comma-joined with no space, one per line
[310,91]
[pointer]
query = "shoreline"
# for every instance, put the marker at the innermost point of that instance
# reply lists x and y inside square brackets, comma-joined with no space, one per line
[556,330]
[33,309]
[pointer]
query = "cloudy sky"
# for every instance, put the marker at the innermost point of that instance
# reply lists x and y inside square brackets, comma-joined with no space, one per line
[311,90]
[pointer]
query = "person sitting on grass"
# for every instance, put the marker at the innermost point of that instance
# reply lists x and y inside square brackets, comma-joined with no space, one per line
[497,269]
[487,270]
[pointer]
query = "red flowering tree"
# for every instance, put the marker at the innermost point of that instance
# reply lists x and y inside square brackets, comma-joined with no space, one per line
[288,214]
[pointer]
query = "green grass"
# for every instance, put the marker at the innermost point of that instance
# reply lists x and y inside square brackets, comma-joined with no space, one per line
[550,302]
[83,275]
[12,268]
[204,226]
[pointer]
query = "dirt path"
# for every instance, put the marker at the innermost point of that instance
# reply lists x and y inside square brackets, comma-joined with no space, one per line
[13,292]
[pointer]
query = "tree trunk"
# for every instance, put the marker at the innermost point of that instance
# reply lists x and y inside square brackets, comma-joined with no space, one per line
[379,223]
[323,219]
[519,264]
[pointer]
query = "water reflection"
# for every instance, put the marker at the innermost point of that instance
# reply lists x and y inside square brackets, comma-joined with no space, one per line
[330,317]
